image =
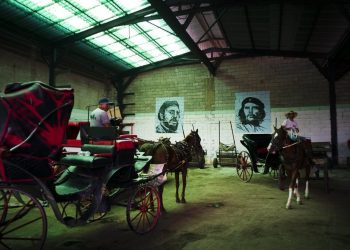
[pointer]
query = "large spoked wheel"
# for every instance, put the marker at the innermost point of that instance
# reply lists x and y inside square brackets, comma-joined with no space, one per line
[244,166]
[23,220]
[143,209]
[3,206]
[74,212]
[83,210]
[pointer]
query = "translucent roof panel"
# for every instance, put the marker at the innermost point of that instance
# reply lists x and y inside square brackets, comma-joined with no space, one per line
[134,45]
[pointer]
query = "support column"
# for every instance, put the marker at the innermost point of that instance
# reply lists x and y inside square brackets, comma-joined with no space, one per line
[333,111]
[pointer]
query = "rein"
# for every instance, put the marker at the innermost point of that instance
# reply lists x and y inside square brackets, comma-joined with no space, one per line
[291,145]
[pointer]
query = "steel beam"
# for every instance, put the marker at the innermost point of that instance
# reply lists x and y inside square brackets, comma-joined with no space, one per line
[164,11]
[178,60]
[266,52]
[190,17]
[333,111]
[280,23]
[344,41]
[249,26]
[135,17]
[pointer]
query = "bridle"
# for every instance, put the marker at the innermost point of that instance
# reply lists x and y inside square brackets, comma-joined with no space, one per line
[195,145]
[277,143]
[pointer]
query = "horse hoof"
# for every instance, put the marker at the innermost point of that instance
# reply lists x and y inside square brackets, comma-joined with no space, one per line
[183,201]
[288,206]
[307,197]
[299,202]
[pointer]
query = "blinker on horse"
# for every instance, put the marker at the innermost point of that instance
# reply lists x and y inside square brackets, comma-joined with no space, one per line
[294,157]
[175,158]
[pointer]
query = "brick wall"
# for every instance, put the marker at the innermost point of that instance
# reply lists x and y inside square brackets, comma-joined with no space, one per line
[293,84]
[15,68]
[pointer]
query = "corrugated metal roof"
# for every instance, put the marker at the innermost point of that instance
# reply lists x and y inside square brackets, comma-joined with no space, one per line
[129,34]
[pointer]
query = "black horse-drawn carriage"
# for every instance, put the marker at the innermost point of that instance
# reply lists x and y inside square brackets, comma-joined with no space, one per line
[34,119]
[258,157]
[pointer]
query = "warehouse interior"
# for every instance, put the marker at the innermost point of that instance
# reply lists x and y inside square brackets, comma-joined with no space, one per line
[207,56]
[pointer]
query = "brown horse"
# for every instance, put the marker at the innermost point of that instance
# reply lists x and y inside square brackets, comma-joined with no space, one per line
[294,156]
[175,158]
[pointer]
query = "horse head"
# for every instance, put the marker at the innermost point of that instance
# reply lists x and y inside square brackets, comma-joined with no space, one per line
[278,139]
[194,141]
[164,140]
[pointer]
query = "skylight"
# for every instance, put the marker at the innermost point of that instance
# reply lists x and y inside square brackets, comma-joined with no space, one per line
[134,45]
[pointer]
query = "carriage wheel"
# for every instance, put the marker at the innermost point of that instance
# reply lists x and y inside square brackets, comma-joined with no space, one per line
[23,221]
[215,162]
[76,211]
[244,166]
[3,206]
[143,209]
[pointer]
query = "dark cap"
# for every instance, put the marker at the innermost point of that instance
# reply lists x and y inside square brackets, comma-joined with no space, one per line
[103,100]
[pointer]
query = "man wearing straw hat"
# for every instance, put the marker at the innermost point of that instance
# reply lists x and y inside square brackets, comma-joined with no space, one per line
[291,125]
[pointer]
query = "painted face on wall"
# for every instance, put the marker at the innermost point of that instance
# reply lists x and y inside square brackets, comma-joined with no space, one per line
[251,111]
[171,117]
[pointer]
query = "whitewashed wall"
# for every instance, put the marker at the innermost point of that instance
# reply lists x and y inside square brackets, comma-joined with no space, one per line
[313,123]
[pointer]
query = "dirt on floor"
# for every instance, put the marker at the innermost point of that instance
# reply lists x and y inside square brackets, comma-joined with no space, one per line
[222,212]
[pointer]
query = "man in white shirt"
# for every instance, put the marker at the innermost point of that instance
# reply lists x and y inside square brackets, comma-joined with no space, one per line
[99,117]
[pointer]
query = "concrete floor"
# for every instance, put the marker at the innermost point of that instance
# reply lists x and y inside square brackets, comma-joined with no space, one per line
[222,213]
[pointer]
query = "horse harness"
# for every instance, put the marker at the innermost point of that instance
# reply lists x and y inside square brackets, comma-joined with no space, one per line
[182,150]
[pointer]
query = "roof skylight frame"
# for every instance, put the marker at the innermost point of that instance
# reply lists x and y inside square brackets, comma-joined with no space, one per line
[74,16]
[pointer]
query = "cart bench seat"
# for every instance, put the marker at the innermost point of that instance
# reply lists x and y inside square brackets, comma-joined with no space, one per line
[100,156]
[86,161]
[122,152]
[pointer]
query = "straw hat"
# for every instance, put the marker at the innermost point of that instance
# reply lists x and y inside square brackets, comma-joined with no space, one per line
[291,113]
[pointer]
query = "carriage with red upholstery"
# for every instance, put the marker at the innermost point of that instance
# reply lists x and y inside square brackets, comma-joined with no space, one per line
[33,132]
